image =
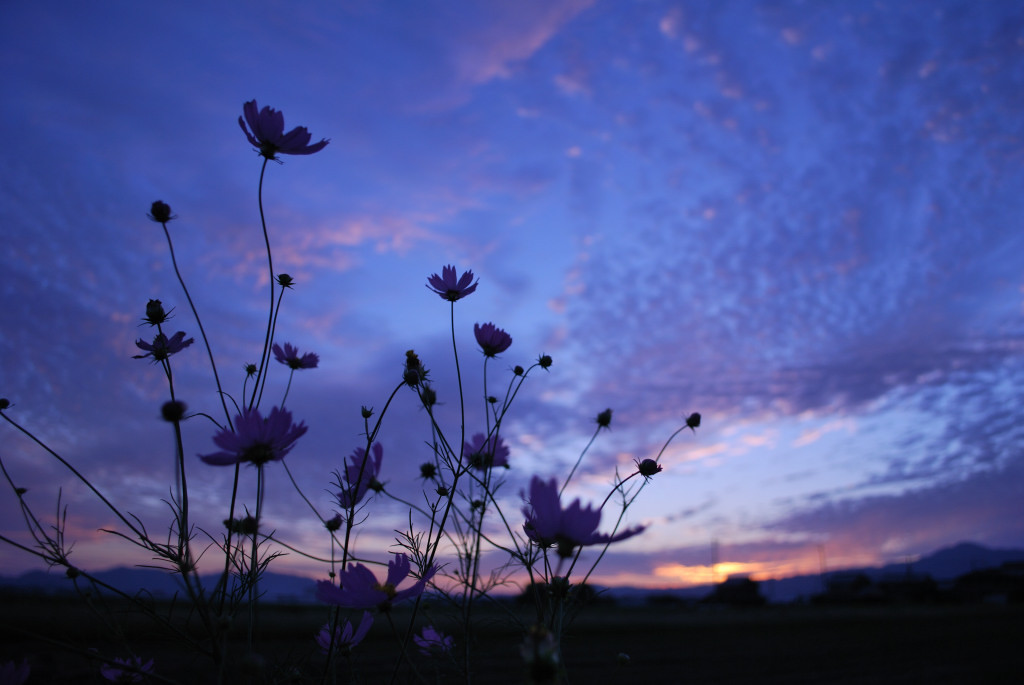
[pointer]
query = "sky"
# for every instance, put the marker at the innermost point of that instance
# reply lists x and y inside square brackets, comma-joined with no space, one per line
[800,219]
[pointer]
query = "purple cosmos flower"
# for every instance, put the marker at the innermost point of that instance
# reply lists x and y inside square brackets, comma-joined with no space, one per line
[448,287]
[163,347]
[433,642]
[256,439]
[492,340]
[547,523]
[485,453]
[14,674]
[126,670]
[361,475]
[358,588]
[345,638]
[290,356]
[268,134]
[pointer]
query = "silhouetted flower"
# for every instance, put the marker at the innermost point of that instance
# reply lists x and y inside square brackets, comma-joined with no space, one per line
[251,369]
[604,419]
[345,638]
[427,470]
[486,453]
[173,410]
[334,523]
[126,670]
[544,360]
[290,356]
[450,288]
[492,340]
[285,281]
[155,313]
[163,347]
[358,588]
[14,674]
[267,126]
[432,642]
[246,525]
[414,373]
[693,421]
[648,467]
[360,476]
[547,523]
[4,403]
[255,439]
[160,212]
[518,370]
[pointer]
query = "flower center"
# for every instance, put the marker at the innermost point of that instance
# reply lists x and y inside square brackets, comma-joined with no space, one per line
[259,453]
[387,588]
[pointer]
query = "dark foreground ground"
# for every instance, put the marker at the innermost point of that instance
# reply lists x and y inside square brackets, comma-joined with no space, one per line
[956,644]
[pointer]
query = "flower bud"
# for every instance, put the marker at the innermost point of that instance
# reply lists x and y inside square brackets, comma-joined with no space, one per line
[429,396]
[4,403]
[414,371]
[334,523]
[173,411]
[604,419]
[442,490]
[544,361]
[251,369]
[285,281]
[366,412]
[518,370]
[648,467]
[72,572]
[693,421]
[155,313]
[428,470]
[160,212]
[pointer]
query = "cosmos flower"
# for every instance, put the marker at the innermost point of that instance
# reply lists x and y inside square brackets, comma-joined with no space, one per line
[126,670]
[345,638]
[547,523]
[432,642]
[358,588]
[267,126]
[255,439]
[361,475]
[486,453]
[448,287]
[162,347]
[14,674]
[492,340]
[290,356]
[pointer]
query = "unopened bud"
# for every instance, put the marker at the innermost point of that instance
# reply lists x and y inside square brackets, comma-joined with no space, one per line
[160,212]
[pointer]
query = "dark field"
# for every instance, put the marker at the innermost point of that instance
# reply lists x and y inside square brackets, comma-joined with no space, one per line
[956,644]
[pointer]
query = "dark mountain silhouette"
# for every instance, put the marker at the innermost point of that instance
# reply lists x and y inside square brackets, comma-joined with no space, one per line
[274,587]
[942,565]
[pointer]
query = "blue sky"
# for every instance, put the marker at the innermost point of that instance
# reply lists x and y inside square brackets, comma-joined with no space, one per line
[800,219]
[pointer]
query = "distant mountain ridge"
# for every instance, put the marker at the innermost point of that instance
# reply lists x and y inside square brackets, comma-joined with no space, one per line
[943,565]
[274,587]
